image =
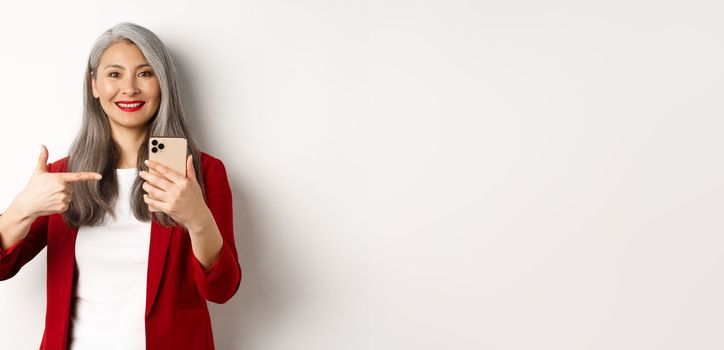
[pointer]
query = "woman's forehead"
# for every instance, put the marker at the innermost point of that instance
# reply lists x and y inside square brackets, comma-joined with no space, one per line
[123,55]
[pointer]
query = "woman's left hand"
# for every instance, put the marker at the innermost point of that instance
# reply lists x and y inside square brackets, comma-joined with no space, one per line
[178,196]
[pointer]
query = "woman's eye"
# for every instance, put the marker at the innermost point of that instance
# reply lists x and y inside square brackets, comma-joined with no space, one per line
[148,73]
[111,74]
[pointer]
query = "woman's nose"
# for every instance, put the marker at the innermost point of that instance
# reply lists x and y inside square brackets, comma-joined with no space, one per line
[129,86]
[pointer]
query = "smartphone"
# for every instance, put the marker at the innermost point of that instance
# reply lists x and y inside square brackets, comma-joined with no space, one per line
[169,151]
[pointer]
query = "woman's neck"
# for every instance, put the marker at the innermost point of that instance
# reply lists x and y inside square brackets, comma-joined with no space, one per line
[129,142]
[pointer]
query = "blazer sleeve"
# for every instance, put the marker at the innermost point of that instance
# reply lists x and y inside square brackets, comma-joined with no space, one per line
[221,282]
[12,260]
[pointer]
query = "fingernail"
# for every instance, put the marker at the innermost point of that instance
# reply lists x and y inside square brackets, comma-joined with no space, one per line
[146,162]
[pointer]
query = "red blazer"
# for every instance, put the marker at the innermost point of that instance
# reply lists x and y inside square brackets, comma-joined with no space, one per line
[177,286]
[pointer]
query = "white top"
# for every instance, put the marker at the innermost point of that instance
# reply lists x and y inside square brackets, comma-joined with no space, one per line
[110,294]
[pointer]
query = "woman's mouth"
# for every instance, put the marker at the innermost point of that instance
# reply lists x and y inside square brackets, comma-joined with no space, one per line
[130,106]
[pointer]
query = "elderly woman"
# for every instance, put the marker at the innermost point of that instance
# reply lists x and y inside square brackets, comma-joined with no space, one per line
[125,270]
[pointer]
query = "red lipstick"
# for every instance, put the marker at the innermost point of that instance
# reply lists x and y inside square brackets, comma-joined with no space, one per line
[130,106]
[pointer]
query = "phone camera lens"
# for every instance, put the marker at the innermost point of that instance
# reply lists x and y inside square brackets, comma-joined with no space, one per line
[154,150]
[154,142]
[160,146]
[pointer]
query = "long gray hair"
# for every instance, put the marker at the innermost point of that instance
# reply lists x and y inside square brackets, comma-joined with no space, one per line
[94,148]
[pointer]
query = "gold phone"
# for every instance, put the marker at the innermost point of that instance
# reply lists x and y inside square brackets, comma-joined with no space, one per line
[169,151]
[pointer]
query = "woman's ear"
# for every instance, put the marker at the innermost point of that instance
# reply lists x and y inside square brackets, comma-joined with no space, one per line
[93,85]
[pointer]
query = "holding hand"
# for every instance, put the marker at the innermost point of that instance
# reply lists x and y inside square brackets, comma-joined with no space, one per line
[48,193]
[175,194]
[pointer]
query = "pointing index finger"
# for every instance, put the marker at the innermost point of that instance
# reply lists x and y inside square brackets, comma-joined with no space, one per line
[80,176]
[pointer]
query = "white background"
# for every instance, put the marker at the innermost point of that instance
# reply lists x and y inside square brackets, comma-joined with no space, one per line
[424,174]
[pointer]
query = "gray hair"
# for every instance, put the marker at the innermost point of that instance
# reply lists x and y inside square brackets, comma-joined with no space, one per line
[94,148]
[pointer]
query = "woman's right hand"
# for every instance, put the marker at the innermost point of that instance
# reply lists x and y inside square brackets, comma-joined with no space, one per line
[48,193]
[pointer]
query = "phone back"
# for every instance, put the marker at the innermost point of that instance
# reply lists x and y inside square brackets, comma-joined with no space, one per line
[169,151]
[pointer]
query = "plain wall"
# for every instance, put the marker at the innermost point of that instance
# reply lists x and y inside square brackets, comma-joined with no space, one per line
[423,174]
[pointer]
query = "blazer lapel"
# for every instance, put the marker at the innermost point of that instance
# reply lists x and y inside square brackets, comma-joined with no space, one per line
[158,250]
[160,239]
[61,272]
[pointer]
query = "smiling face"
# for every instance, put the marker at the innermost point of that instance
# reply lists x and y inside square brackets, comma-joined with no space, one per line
[126,87]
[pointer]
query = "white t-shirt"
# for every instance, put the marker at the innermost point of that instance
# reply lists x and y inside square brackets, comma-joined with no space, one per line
[110,295]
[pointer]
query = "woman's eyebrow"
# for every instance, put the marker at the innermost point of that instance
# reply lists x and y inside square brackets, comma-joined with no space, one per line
[121,67]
